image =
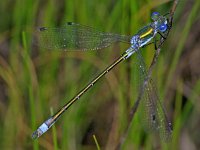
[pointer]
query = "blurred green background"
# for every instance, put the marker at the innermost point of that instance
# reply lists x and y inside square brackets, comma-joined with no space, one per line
[35,81]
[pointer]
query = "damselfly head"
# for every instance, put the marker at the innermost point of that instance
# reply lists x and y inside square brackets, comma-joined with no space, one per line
[163,27]
[160,22]
[155,16]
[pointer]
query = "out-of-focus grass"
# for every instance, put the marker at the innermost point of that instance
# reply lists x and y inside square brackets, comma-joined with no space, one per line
[34,80]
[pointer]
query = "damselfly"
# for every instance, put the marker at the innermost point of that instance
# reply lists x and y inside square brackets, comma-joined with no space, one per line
[78,37]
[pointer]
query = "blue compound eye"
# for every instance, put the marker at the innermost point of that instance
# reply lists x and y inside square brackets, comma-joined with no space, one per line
[155,15]
[163,27]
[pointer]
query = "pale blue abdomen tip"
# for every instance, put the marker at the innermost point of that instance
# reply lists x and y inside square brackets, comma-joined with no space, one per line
[42,129]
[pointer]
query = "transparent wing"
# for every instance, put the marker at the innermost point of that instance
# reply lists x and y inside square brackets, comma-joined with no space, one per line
[74,36]
[151,109]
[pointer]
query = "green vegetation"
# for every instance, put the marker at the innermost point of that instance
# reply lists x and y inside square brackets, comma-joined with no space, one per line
[33,79]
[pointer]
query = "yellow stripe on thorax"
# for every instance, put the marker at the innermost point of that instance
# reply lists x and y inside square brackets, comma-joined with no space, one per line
[146,33]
